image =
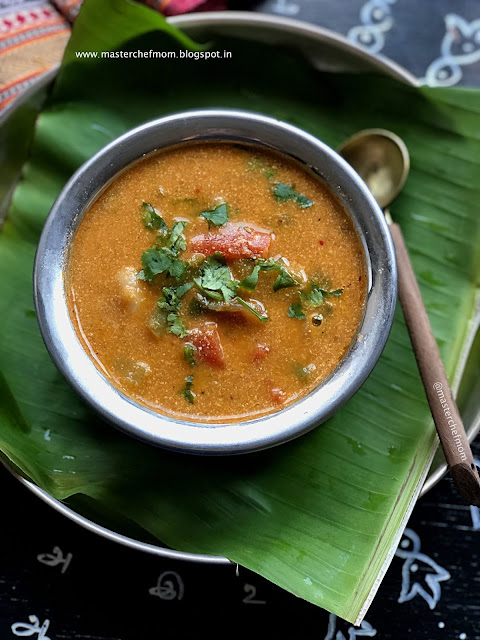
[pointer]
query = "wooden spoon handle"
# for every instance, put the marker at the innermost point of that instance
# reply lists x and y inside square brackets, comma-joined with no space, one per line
[440,398]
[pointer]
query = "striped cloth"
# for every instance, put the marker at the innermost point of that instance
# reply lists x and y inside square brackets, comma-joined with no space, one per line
[34,33]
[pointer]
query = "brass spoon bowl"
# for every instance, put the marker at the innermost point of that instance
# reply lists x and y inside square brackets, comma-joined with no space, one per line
[381,158]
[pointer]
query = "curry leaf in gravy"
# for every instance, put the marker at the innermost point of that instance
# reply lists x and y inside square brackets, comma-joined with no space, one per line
[295,311]
[217,216]
[187,392]
[284,192]
[152,220]
[262,318]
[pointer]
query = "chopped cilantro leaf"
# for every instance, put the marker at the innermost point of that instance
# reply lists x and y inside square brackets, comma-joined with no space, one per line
[189,354]
[316,295]
[283,280]
[176,242]
[157,261]
[302,201]
[183,288]
[215,280]
[250,282]
[211,294]
[284,192]
[269,265]
[154,262]
[152,220]
[313,297]
[171,303]
[170,300]
[177,268]
[295,311]
[176,326]
[251,309]
[217,216]
[187,392]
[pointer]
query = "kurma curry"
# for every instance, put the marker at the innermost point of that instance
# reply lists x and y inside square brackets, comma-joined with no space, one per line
[216,282]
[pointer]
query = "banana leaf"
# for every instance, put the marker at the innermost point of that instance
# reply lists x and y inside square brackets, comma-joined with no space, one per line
[319,516]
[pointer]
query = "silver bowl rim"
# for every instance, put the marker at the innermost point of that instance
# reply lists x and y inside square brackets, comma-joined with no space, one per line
[227,437]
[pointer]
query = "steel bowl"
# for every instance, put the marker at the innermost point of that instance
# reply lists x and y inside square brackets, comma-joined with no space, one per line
[65,348]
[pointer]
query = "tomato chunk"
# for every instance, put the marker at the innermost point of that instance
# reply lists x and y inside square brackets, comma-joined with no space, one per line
[277,395]
[260,352]
[208,346]
[234,241]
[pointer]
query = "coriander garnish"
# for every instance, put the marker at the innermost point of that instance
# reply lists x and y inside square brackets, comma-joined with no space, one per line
[171,303]
[313,297]
[217,216]
[157,261]
[163,256]
[284,192]
[215,279]
[153,220]
[295,311]
[187,392]
[262,318]
[284,279]
[189,354]
[175,241]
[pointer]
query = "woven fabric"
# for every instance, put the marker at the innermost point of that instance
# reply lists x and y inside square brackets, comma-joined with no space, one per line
[34,33]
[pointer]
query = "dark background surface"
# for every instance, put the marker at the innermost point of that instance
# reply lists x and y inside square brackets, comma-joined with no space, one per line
[104,591]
